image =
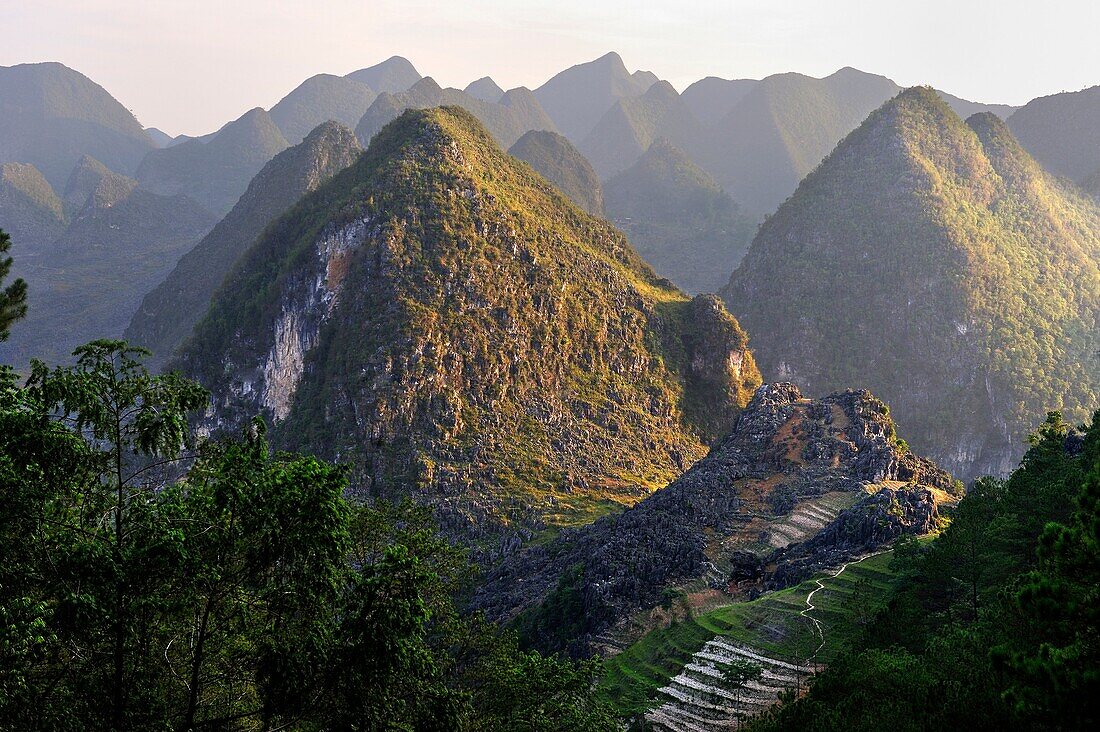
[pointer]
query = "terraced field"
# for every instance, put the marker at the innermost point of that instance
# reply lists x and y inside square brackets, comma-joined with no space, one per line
[674,676]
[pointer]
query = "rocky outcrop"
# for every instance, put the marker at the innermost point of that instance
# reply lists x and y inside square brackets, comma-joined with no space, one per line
[169,312]
[874,522]
[721,521]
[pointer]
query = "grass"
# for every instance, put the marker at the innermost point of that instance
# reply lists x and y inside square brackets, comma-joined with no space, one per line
[770,623]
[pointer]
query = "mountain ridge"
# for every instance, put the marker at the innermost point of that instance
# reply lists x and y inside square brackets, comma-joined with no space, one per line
[392,319]
[977,280]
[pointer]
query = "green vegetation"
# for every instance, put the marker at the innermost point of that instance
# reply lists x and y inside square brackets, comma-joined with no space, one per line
[935,263]
[678,219]
[771,624]
[13,296]
[245,594]
[168,313]
[528,350]
[555,159]
[994,624]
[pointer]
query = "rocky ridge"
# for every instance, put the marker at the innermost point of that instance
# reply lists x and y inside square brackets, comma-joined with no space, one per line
[797,485]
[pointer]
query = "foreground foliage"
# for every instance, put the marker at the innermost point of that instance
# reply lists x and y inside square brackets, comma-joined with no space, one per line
[996,624]
[150,582]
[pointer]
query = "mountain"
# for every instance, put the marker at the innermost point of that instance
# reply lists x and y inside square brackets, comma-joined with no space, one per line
[485,89]
[576,98]
[776,130]
[168,314]
[1062,132]
[632,124]
[395,74]
[92,184]
[457,331]
[517,111]
[319,99]
[798,485]
[50,116]
[711,99]
[1091,185]
[86,282]
[679,219]
[159,137]
[937,263]
[783,127]
[966,109]
[555,159]
[215,170]
[30,210]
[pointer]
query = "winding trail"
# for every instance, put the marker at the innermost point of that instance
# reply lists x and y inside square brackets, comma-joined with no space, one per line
[820,586]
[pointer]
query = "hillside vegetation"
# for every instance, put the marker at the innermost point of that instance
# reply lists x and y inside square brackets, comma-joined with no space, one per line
[937,263]
[555,159]
[441,319]
[169,312]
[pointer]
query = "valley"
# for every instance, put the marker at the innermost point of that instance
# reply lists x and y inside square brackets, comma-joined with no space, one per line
[622,401]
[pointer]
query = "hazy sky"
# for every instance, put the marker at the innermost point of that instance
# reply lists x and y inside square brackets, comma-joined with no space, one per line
[191,65]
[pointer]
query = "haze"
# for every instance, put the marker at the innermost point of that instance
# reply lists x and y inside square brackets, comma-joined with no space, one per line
[188,67]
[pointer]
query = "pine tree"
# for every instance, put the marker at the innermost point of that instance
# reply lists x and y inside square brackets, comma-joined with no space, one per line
[13,298]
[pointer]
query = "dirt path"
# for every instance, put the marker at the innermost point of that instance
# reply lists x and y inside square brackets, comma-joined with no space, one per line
[820,586]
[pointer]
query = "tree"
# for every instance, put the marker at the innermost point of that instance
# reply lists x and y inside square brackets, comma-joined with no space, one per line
[737,674]
[13,298]
[150,581]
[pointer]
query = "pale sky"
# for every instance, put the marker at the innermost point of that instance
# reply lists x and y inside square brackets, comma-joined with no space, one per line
[189,66]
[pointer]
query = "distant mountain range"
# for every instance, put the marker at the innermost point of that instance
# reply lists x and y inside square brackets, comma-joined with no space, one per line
[516,112]
[679,219]
[1061,132]
[51,116]
[687,176]
[89,255]
[214,170]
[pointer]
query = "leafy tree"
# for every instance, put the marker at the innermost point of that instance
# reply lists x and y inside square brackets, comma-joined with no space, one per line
[151,582]
[995,625]
[13,298]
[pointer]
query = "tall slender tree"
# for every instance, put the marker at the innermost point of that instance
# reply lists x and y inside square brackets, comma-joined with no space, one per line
[13,298]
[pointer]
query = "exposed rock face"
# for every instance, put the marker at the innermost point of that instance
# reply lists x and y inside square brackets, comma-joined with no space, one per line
[722,521]
[441,319]
[875,521]
[169,312]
